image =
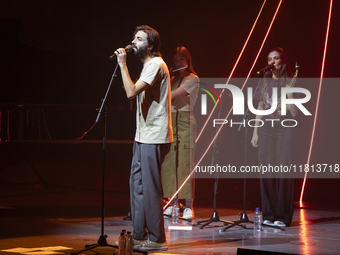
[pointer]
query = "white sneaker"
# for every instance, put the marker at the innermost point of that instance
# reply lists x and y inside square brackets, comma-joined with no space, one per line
[168,212]
[153,246]
[279,224]
[188,214]
[269,223]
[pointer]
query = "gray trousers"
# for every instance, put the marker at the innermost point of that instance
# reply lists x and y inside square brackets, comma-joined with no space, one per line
[146,191]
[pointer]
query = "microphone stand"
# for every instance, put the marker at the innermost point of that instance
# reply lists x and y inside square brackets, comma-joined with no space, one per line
[102,239]
[214,217]
[243,216]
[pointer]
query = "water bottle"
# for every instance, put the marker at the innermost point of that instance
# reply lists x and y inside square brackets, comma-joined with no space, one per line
[175,212]
[129,243]
[257,220]
[122,244]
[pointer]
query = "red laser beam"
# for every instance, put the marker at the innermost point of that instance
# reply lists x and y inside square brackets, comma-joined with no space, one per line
[232,71]
[318,99]
[219,130]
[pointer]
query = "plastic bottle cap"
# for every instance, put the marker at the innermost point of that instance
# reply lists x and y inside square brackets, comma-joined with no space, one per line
[257,208]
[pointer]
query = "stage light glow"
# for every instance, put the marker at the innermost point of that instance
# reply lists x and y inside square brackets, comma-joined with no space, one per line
[38,250]
[304,232]
[219,130]
[318,99]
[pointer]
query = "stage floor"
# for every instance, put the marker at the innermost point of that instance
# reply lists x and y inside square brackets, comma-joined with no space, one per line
[37,229]
[50,203]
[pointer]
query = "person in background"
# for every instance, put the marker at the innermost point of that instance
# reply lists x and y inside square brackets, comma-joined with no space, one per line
[275,143]
[179,161]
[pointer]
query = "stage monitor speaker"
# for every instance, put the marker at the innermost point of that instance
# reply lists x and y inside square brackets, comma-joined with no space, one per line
[241,251]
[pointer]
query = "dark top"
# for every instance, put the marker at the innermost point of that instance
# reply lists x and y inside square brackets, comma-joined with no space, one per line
[273,83]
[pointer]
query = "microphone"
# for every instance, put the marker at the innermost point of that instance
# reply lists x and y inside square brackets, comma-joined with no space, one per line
[183,67]
[271,66]
[127,48]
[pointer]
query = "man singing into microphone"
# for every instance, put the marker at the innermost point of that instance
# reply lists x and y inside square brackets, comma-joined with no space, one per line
[152,139]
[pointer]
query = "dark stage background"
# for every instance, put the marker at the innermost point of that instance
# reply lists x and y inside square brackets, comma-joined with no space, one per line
[54,68]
